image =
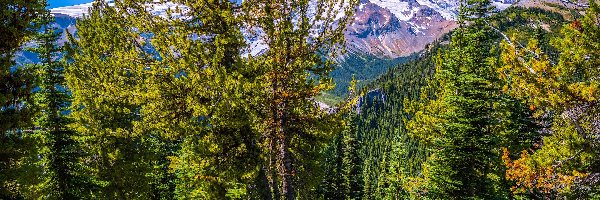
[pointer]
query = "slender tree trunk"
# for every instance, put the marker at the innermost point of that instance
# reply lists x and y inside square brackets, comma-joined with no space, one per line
[285,161]
[271,175]
[286,171]
[266,179]
[279,143]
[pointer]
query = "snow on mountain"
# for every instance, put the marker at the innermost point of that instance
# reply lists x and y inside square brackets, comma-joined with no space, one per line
[448,9]
[395,28]
[379,32]
[384,28]
[405,10]
[75,11]
[402,10]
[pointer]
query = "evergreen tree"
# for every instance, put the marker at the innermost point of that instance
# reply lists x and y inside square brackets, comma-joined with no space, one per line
[463,123]
[566,90]
[16,85]
[333,166]
[342,162]
[56,147]
[17,28]
[352,164]
[302,37]
[104,75]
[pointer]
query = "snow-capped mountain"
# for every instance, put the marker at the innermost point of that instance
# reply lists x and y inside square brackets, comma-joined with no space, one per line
[395,28]
[384,28]
[77,11]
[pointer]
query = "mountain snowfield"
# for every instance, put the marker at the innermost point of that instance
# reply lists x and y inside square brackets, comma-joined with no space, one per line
[75,11]
[78,11]
[396,28]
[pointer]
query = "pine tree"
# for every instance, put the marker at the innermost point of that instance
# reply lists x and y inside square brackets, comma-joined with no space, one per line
[177,79]
[352,165]
[301,37]
[461,124]
[17,28]
[57,147]
[342,162]
[105,75]
[565,90]
[16,85]
[333,165]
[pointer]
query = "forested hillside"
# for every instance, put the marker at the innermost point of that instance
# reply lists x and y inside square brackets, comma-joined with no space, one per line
[396,151]
[140,105]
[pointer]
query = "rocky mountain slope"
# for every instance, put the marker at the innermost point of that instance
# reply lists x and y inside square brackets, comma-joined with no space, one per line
[395,28]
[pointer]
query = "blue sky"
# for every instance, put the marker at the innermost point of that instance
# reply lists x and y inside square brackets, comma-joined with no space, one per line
[61,3]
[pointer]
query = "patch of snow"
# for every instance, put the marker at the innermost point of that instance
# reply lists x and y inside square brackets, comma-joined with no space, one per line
[75,11]
[78,11]
[501,5]
[448,9]
[400,9]
[417,29]
[361,6]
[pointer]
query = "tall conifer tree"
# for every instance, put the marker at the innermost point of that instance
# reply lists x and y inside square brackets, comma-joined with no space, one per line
[302,38]
[463,124]
[56,147]
[566,90]
[106,78]
[16,86]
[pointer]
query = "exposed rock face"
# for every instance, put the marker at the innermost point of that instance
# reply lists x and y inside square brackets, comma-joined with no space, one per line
[65,22]
[377,31]
[395,28]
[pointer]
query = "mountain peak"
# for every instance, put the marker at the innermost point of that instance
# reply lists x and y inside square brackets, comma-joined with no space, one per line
[396,28]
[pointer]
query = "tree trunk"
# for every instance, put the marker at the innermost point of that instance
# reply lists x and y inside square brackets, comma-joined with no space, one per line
[283,155]
[286,170]
[271,175]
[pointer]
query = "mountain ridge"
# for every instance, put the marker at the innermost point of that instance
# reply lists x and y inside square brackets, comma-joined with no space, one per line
[383,28]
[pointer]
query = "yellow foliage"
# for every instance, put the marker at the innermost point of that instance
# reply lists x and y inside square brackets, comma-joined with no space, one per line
[529,176]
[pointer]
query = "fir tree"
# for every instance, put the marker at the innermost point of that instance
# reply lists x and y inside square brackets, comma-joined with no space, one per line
[352,165]
[566,90]
[462,124]
[16,85]
[56,148]
[301,37]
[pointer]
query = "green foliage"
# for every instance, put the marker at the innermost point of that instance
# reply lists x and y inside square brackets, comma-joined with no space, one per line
[17,82]
[106,107]
[469,119]
[291,73]
[55,150]
[237,123]
[365,67]
[174,107]
[392,159]
[565,89]
[373,157]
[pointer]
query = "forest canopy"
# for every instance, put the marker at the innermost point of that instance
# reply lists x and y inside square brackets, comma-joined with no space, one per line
[135,105]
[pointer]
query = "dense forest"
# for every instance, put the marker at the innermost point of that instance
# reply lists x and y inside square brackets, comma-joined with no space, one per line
[140,106]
